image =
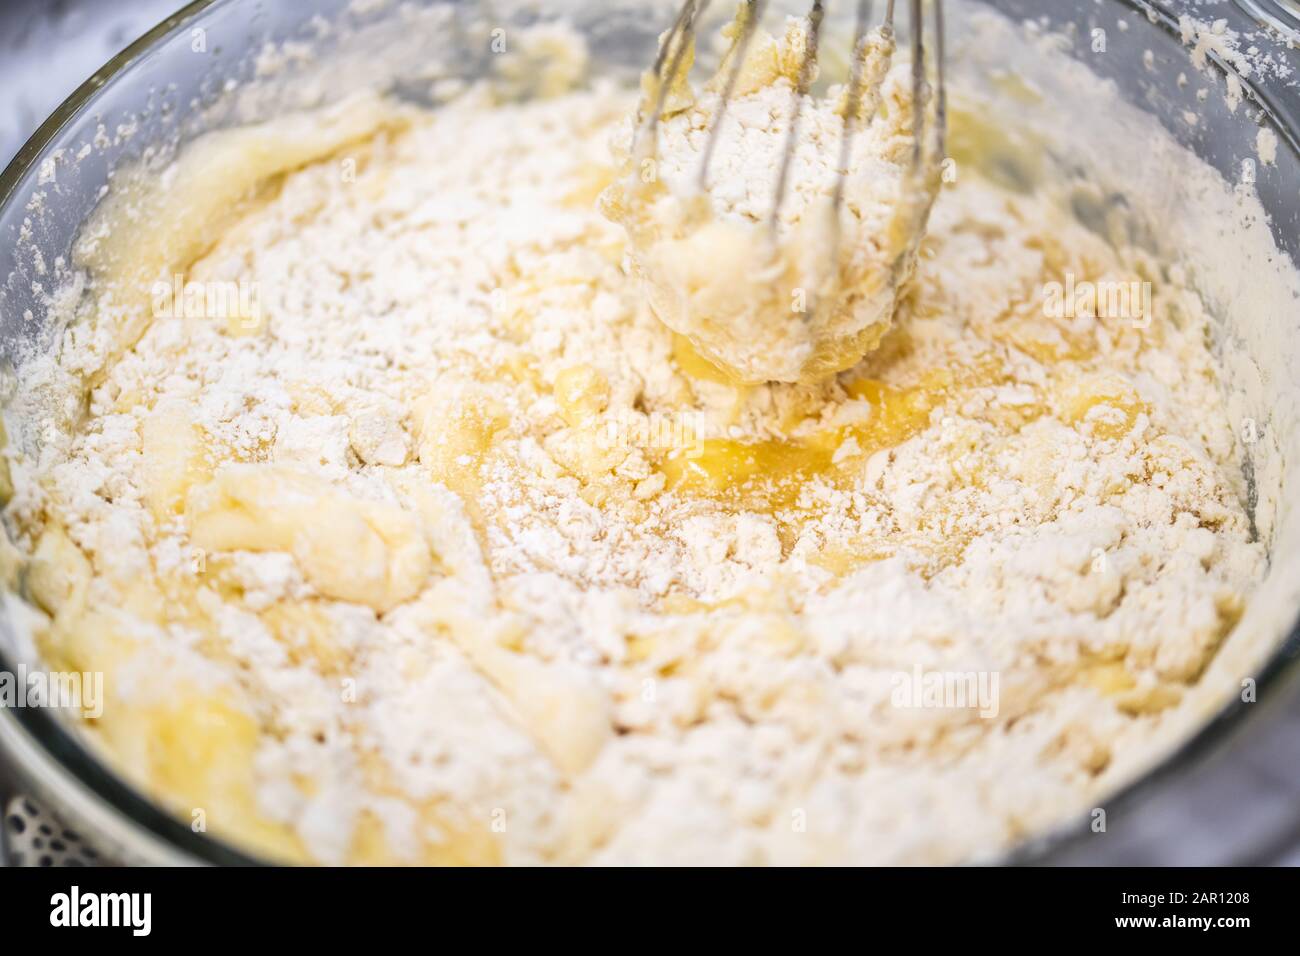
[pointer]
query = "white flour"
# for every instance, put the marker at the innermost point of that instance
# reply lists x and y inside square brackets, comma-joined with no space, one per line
[601,660]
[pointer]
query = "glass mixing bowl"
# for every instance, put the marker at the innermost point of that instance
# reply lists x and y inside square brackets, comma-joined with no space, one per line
[219,63]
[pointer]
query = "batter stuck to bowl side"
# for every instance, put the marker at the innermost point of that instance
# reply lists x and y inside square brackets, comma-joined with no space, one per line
[428,541]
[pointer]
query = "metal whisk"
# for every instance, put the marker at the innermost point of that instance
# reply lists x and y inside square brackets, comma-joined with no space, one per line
[863,91]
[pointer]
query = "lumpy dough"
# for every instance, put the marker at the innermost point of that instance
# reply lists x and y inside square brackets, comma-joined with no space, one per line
[793,293]
[459,554]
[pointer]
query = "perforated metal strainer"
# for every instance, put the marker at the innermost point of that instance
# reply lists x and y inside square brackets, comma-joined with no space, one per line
[34,837]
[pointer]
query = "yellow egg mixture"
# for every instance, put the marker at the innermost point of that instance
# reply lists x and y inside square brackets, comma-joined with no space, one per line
[441,547]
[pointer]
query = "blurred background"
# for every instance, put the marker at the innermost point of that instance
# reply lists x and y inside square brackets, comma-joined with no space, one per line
[50,47]
[1238,803]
